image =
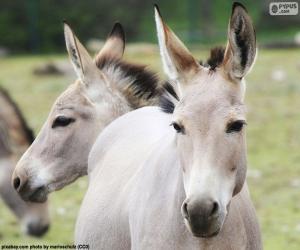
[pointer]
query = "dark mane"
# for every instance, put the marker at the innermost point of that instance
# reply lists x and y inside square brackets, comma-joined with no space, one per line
[140,86]
[26,129]
[215,59]
[168,99]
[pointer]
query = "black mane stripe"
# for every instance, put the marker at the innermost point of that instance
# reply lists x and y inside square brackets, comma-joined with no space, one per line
[168,99]
[166,105]
[143,88]
[27,130]
[169,89]
[216,57]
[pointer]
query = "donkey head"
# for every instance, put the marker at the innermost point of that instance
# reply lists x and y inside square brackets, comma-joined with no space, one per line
[59,154]
[209,119]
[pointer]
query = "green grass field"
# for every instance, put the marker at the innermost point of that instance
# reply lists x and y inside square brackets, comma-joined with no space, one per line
[273,98]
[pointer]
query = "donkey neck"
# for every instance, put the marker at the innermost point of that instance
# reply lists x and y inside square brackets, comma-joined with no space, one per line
[111,105]
[163,193]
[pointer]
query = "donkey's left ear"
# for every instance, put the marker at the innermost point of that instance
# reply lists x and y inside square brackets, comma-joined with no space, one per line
[82,62]
[178,62]
[115,44]
[241,47]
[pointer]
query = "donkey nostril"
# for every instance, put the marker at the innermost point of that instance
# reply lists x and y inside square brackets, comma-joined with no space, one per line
[17,182]
[215,208]
[185,210]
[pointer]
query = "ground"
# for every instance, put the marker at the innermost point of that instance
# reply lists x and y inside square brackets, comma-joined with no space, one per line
[273,99]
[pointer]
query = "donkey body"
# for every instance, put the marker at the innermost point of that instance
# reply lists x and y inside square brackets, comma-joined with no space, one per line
[136,192]
[107,87]
[156,186]
[15,138]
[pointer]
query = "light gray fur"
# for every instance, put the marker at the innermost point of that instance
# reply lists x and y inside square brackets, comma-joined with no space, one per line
[151,187]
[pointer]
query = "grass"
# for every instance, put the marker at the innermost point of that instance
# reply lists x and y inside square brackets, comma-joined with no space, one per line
[273,143]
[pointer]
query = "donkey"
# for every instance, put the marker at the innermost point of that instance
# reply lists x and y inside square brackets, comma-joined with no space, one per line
[107,87]
[15,138]
[156,186]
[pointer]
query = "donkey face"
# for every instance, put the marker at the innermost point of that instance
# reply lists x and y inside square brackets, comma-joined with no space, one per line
[59,154]
[209,119]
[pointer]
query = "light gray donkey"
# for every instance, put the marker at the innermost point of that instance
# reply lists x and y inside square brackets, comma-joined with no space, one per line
[107,87]
[156,186]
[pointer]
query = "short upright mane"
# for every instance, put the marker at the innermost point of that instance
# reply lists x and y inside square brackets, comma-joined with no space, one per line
[215,59]
[27,131]
[140,86]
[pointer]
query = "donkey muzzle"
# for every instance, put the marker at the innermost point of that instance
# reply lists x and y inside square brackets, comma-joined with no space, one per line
[203,216]
[21,184]
[36,230]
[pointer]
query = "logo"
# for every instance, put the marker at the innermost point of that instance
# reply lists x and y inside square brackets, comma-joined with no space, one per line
[283,8]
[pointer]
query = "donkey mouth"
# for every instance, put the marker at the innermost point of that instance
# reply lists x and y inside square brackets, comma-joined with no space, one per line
[38,195]
[208,232]
[204,235]
[37,230]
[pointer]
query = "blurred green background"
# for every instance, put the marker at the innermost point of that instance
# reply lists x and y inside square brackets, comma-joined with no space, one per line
[36,26]
[31,38]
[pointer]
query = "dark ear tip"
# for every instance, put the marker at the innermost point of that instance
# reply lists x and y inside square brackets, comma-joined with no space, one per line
[157,9]
[118,25]
[236,5]
[118,31]
[65,23]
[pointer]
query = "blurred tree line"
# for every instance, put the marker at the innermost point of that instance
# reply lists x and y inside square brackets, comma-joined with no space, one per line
[36,25]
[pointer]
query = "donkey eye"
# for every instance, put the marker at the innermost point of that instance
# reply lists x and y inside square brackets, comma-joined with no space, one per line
[62,121]
[235,126]
[179,128]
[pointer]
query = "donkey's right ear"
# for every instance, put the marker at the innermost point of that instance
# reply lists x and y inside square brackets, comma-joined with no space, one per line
[178,62]
[115,44]
[241,47]
[82,62]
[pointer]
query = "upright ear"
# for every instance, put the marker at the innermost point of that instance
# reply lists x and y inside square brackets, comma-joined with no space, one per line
[241,47]
[114,45]
[82,62]
[177,61]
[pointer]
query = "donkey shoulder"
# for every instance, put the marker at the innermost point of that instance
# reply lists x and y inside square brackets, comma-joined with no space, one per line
[144,125]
